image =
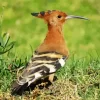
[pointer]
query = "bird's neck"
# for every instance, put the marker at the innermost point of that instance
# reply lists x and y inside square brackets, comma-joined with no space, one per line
[54,34]
[57,29]
[54,41]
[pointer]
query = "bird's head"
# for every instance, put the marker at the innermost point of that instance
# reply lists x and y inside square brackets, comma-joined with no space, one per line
[55,17]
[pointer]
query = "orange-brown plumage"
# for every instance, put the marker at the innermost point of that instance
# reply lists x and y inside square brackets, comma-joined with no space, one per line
[54,40]
[49,56]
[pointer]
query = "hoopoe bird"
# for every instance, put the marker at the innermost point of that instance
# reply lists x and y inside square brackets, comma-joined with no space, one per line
[50,56]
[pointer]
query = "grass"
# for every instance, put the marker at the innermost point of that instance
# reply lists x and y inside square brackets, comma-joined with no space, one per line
[80,78]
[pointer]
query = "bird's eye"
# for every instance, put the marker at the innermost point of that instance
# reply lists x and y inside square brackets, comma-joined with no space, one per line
[59,16]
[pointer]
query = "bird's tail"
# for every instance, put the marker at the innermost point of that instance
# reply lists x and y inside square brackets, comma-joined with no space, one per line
[18,89]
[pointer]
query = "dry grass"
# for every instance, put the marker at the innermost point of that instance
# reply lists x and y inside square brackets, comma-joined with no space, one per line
[60,90]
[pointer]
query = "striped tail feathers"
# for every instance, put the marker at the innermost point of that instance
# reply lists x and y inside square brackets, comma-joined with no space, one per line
[22,83]
[19,86]
[18,89]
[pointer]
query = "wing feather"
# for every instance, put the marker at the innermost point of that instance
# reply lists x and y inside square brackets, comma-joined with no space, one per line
[41,65]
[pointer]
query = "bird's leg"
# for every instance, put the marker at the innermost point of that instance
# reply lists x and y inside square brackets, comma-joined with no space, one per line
[51,77]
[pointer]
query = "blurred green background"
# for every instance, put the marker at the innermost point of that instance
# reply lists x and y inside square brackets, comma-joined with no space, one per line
[82,37]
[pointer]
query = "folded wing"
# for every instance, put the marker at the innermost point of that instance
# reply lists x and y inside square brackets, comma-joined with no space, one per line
[41,65]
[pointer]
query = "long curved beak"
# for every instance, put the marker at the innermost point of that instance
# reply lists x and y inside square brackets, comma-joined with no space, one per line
[78,17]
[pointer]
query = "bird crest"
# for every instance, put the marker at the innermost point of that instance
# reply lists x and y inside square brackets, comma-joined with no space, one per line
[42,13]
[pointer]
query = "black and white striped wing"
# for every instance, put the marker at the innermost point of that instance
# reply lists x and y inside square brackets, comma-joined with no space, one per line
[41,65]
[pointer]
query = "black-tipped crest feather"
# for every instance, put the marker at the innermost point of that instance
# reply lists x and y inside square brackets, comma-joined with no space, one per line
[42,13]
[34,14]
